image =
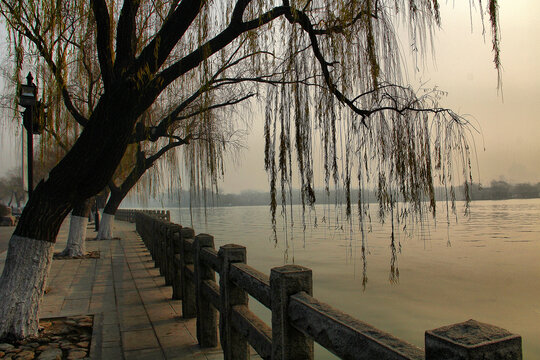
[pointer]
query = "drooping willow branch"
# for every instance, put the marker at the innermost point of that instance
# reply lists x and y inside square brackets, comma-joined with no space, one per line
[34,36]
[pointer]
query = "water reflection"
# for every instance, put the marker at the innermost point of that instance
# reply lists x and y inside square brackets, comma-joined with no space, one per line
[486,266]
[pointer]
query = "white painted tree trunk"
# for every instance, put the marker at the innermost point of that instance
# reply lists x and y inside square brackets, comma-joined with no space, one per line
[106,227]
[76,243]
[22,284]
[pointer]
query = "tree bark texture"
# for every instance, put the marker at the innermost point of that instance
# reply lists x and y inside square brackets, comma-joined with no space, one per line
[76,243]
[106,227]
[114,202]
[22,285]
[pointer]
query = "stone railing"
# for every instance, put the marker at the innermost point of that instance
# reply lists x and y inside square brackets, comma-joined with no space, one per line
[189,264]
[129,214]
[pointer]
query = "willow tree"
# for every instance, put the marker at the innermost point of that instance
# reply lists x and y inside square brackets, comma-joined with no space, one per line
[204,125]
[339,66]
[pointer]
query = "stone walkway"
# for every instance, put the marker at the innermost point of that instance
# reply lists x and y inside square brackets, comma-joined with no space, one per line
[134,317]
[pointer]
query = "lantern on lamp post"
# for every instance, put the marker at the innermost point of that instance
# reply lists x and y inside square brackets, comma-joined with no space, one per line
[31,121]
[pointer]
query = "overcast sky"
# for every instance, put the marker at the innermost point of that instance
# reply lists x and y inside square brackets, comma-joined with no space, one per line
[508,147]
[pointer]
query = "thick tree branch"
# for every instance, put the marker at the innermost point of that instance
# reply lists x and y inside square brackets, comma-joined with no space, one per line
[157,51]
[150,160]
[112,186]
[220,41]
[125,35]
[238,11]
[141,166]
[105,53]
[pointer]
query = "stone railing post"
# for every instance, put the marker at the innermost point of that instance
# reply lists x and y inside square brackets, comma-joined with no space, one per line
[287,342]
[471,340]
[157,244]
[168,253]
[235,346]
[154,240]
[189,304]
[138,224]
[177,264]
[143,229]
[147,226]
[206,314]
[173,250]
[162,247]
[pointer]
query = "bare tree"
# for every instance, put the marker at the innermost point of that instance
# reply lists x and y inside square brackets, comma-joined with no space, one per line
[11,189]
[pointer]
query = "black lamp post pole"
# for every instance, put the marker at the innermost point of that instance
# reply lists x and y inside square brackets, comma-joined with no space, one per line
[31,123]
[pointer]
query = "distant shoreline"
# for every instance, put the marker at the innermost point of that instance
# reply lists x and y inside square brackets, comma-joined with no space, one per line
[498,190]
[221,205]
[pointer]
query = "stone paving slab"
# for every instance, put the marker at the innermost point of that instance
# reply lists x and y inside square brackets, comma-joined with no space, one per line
[134,316]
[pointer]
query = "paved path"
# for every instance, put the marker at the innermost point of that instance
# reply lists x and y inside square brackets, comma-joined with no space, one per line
[134,317]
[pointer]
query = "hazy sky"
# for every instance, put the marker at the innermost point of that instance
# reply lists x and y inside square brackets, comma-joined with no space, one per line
[509,144]
[508,147]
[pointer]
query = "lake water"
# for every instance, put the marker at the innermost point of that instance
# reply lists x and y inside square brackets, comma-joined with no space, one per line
[485,267]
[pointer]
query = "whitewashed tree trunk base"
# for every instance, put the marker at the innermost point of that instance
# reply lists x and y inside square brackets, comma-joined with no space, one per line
[22,284]
[76,244]
[106,227]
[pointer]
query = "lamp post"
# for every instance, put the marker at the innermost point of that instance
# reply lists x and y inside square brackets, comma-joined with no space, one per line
[31,122]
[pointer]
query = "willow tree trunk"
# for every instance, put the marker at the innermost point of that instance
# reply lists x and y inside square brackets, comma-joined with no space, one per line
[76,243]
[82,173]
[107,221]
[106,224]
[118,194]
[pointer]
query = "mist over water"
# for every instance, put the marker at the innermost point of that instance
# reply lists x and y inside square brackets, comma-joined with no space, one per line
[485,267]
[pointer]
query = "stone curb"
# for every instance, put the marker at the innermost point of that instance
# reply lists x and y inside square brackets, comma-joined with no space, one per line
[97,337]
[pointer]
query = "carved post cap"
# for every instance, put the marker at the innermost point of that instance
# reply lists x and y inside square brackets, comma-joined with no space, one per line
[204,240]
[471,340]
[187,233]
[233,253]
[233,246]
[290,269]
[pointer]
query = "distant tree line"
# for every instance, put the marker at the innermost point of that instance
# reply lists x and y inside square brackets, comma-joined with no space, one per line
[12,192]
[498,190]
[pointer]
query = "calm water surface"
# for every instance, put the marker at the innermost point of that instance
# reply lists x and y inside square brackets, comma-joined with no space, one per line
[485,267]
